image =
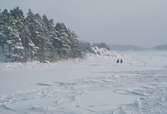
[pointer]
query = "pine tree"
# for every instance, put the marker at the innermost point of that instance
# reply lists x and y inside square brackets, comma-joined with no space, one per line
[2,35]
[30,43]
[75,44]
[16,25]
[50,34]
[5,34]
[65,49]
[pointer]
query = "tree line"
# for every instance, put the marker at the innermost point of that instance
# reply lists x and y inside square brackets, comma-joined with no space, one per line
[35,37]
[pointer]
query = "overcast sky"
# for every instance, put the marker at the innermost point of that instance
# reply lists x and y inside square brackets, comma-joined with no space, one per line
[138,22]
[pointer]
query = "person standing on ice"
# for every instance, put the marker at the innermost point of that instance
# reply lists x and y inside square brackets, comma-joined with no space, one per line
[119,61]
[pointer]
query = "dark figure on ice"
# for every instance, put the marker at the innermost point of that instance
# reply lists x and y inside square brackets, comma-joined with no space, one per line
[121,61]
[117,61]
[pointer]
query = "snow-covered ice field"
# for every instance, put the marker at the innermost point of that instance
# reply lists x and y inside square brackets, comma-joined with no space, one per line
[95,85]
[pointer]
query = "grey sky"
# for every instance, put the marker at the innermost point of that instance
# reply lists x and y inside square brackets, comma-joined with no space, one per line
[139,22]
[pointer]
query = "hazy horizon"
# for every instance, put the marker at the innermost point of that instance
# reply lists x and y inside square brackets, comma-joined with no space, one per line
[130,22]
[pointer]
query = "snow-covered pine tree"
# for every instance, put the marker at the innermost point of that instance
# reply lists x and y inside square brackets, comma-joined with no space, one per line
[4,31]
[49,31]
[2,35]
[75,44]
[16,26]
[12,46]
[30,49]
[65,42]
[38,36]
[53,35]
